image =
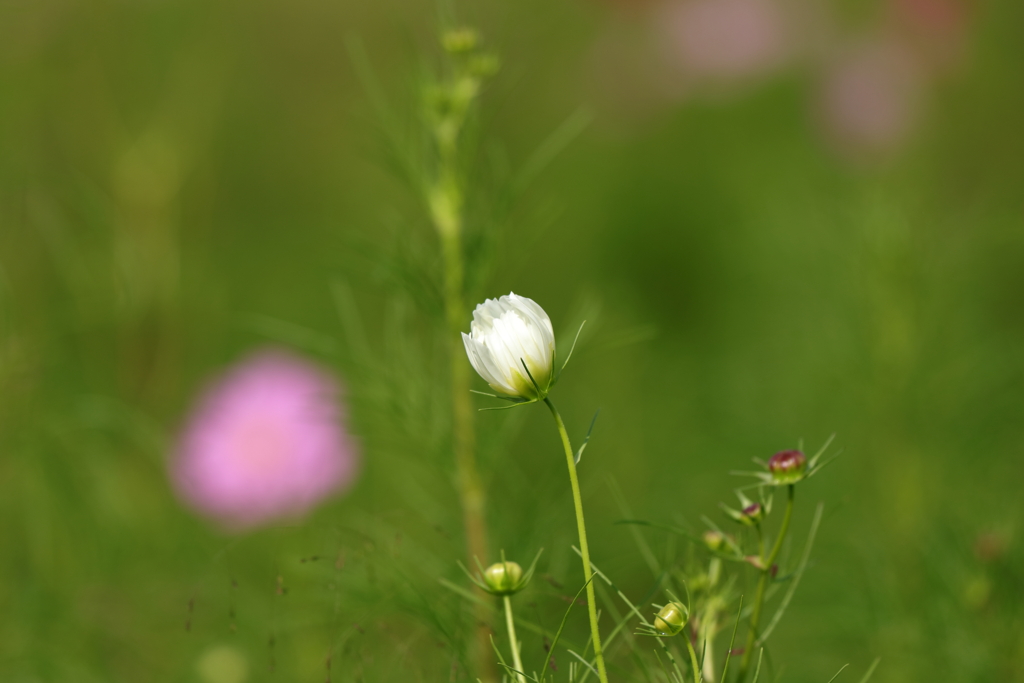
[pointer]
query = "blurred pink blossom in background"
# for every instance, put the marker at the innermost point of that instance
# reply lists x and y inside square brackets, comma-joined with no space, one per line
[872,81]
[264,442]
[871,95]
[723,39]
[938,30]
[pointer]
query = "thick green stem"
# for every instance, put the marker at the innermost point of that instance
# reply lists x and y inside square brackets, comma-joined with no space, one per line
[762,585]
[511,624]
[471,491]
[446,214]
[570,458]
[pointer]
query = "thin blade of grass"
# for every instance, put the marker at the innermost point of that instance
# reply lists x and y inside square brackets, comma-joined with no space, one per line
[621,623]
[732,641]
[583,661]
[821,451]
[525,623]
[571,348]
[804,559]
[757,671]
[551,148]
[561,627]
[586,440]
[638,539]
[838,672]
[664,669]
[508,407]
[871,671]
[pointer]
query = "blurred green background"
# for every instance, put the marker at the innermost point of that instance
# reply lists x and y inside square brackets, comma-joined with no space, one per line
[806,221]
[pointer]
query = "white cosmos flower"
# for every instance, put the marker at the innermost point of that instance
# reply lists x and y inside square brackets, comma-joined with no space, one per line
[506,333]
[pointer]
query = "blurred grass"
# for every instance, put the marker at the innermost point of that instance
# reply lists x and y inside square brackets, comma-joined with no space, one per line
[181,181]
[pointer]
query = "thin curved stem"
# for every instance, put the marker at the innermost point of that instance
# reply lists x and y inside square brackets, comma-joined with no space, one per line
[762,585]
[511,624]
[570,459]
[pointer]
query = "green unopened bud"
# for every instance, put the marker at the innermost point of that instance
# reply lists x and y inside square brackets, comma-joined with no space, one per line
[460,40]
[504,578]
[671,618]
[714,540]
[483,66]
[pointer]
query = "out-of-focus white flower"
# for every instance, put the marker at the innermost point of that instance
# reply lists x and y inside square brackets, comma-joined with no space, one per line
[507,333]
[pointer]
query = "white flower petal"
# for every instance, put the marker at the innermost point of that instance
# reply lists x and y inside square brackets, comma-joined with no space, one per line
[506,333]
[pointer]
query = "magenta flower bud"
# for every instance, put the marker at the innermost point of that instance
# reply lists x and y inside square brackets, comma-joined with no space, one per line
[787,467]
[264,442]
[753,513]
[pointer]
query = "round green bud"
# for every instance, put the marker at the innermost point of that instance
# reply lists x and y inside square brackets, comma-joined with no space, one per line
[671,618]
[460,40]
[714,540]
[504,578]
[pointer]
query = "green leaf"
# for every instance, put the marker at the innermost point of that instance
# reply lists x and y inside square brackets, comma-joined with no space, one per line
[551,148]
[732,641]
[814,458]
[514,405]
[532,380]
[586,440]
[571,349]
[561,627]
[871,671]
[804,559]
[500,398]
[838,672]
[757,671]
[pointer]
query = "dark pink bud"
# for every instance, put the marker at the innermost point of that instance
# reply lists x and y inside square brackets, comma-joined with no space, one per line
[753,513]
[787,467]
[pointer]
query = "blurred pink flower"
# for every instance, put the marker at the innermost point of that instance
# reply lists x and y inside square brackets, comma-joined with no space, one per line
[724,39]
[941,19]
[264,442]
[871,96]
[937,28]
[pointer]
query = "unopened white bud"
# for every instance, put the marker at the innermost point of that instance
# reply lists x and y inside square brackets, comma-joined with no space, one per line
[511,344]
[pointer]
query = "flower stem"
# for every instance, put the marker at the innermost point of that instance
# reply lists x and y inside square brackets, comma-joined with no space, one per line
[762,585]
[510,623]
[570,458]
[447,218]
[471,491]
[693,659]
[707,642]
